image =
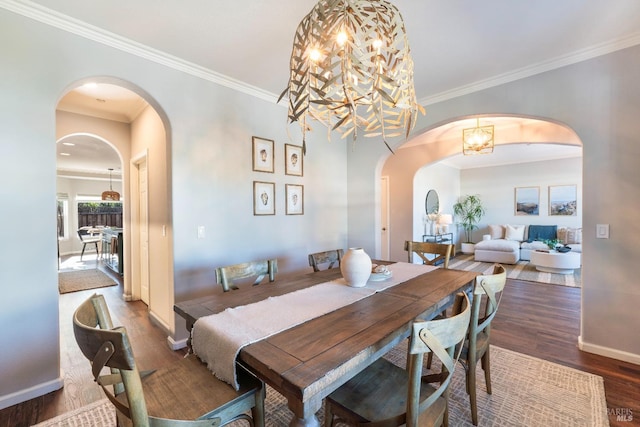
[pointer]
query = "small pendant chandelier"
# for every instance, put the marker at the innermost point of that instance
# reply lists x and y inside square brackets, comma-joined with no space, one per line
[110,194]
[351,70]
[477,140]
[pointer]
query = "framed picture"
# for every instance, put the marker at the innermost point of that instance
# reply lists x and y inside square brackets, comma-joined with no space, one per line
[293,160]
[262,155]
[527,201]
[563,200]
[264,198]
[295,199]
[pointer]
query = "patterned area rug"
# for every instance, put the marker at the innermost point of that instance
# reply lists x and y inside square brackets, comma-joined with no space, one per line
[72,281]
[527,392]
[523,270]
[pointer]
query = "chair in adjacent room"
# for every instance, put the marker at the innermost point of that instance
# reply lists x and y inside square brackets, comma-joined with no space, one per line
[185,393]
[384,394]
[332,258]
[87,237]
[431,253]
[487,293]
[229,275]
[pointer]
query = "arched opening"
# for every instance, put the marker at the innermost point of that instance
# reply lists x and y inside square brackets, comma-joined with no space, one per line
[518,140]
[112,113]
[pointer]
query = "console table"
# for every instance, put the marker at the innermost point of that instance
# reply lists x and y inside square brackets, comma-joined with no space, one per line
[438,238]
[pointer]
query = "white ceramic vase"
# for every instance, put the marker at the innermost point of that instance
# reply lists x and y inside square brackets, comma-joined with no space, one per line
[356,267]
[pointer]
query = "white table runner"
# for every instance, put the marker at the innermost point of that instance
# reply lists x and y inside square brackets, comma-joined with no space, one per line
[217,339]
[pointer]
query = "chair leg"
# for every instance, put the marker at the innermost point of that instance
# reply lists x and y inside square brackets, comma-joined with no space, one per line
[97,252]
[84,245]
[328,415]
[471,388]
[486,367]
[257,412]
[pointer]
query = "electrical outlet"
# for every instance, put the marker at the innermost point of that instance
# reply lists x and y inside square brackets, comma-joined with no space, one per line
[201,233]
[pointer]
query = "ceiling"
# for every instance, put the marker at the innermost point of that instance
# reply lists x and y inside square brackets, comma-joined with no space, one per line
[458,46]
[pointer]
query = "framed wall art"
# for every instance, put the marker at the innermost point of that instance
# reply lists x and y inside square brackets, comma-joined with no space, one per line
[264,198]
[295,199]
[293,160]
[263,155]
[527,201]
[563,200]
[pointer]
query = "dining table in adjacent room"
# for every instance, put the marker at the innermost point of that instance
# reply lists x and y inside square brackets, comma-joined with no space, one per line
[308,361]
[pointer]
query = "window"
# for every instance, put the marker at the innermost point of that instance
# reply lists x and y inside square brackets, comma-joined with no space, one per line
[62,215]
[93,213]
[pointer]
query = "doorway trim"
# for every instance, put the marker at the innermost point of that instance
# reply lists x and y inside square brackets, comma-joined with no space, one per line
[139,227]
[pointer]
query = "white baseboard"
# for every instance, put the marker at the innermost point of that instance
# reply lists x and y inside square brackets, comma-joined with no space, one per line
[173,345]
[608,352]
[176,345]
[31,393]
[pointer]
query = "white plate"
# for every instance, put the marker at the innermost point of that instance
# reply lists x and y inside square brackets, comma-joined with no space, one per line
[376,277]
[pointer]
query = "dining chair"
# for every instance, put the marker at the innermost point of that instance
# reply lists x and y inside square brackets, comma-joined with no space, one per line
[87,237]
[332,258]
[487,294]
[185,393]
[384,394]
[440,252]
[227,276]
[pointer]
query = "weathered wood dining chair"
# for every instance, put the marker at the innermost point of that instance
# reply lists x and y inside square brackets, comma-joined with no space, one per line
[487,293]
[384,394]
[332,258]
[185,393]
[226,276]
[431,253]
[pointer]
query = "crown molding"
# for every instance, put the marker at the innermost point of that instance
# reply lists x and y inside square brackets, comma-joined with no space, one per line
[531,70]
[66,23]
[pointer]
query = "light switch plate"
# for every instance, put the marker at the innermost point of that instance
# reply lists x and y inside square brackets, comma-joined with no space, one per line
[602,231]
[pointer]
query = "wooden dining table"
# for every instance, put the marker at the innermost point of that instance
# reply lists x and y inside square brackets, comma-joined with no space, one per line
[307,362]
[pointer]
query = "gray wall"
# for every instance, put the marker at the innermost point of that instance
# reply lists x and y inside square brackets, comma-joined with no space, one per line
[210,129]
[598,99]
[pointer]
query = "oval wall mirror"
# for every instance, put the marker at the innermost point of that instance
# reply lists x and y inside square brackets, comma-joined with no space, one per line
[432,202]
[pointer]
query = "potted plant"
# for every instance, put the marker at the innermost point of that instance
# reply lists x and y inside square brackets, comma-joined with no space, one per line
[469,211]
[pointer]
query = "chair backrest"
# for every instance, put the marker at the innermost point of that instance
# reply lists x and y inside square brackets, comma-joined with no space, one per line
[85,234]
[332,258]
[488,288]
[441,252]
[443,338]
[226,276]
[106,346]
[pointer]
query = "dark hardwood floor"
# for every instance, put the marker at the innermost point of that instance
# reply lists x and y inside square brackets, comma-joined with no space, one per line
[536,319]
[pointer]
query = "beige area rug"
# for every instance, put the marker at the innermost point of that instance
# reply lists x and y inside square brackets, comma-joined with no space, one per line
[80,280]
[523,270]
[527,392]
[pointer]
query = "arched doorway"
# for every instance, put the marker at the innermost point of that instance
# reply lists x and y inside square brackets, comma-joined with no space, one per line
[442,143]
[133,123]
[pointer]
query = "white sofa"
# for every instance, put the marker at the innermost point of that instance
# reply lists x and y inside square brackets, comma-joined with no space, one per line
[510,243]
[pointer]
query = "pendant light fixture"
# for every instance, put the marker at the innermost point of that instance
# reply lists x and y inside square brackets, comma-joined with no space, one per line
[477,140]
[351,70]
[110,195]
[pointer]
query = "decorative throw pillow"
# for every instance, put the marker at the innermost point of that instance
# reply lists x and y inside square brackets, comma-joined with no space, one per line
[570,236]
[496,232]
[514,232]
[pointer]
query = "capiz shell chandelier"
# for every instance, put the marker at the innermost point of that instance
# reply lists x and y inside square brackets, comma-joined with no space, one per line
[351,70]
